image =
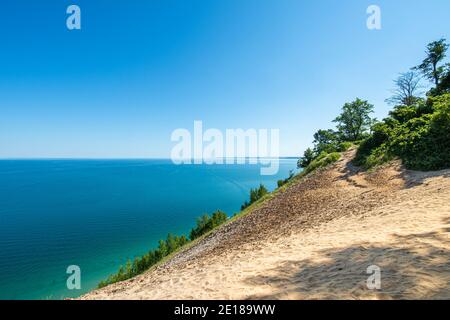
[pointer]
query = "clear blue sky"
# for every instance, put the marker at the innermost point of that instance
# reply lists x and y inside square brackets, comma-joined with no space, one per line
[140,69]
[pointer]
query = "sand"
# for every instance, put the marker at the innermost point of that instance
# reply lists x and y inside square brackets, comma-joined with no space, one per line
[316,239]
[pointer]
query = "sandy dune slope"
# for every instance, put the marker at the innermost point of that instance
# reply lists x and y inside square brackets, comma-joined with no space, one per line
[315,240]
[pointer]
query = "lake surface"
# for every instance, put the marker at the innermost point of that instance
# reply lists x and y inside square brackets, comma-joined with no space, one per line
[98,213]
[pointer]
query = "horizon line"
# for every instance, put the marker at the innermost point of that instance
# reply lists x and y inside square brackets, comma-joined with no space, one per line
[134,158]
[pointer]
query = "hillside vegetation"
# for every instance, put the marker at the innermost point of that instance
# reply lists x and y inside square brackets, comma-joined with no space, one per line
[417,130]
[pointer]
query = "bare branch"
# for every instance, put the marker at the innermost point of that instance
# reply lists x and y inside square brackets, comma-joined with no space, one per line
[407,89]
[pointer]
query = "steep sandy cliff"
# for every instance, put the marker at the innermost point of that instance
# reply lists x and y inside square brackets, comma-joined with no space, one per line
[316,240]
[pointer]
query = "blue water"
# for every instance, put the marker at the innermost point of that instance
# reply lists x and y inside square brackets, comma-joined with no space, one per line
[98,213]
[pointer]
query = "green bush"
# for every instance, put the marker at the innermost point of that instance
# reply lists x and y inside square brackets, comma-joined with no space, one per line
[308,157]
[323,160]
[326,142]
[344,146]
[381,133]
[419,135]
[284,181]
[206,224]
[425,144]
[255,195]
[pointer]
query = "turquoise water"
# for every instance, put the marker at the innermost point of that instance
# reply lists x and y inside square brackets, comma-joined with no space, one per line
[98,213]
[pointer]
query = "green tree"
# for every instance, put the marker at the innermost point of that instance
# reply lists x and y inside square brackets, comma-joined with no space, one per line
[171,243]
[162,249]
[282,182]
[354,121]
[325,140]
[308,157]
[444,84]
[182,241]
[129,267]
[430,67]
[255,195]
[206,224]
[219,217]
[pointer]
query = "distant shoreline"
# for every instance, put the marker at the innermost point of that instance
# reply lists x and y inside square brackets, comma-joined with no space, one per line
[127,159]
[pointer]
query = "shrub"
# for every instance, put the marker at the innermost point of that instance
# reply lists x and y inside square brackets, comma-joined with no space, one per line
[426,142]
[284,181]
[323,160]
[308,157]
[325,141]
[419,135]
[381,133]
[255,195]
[206,224]
[344,146]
